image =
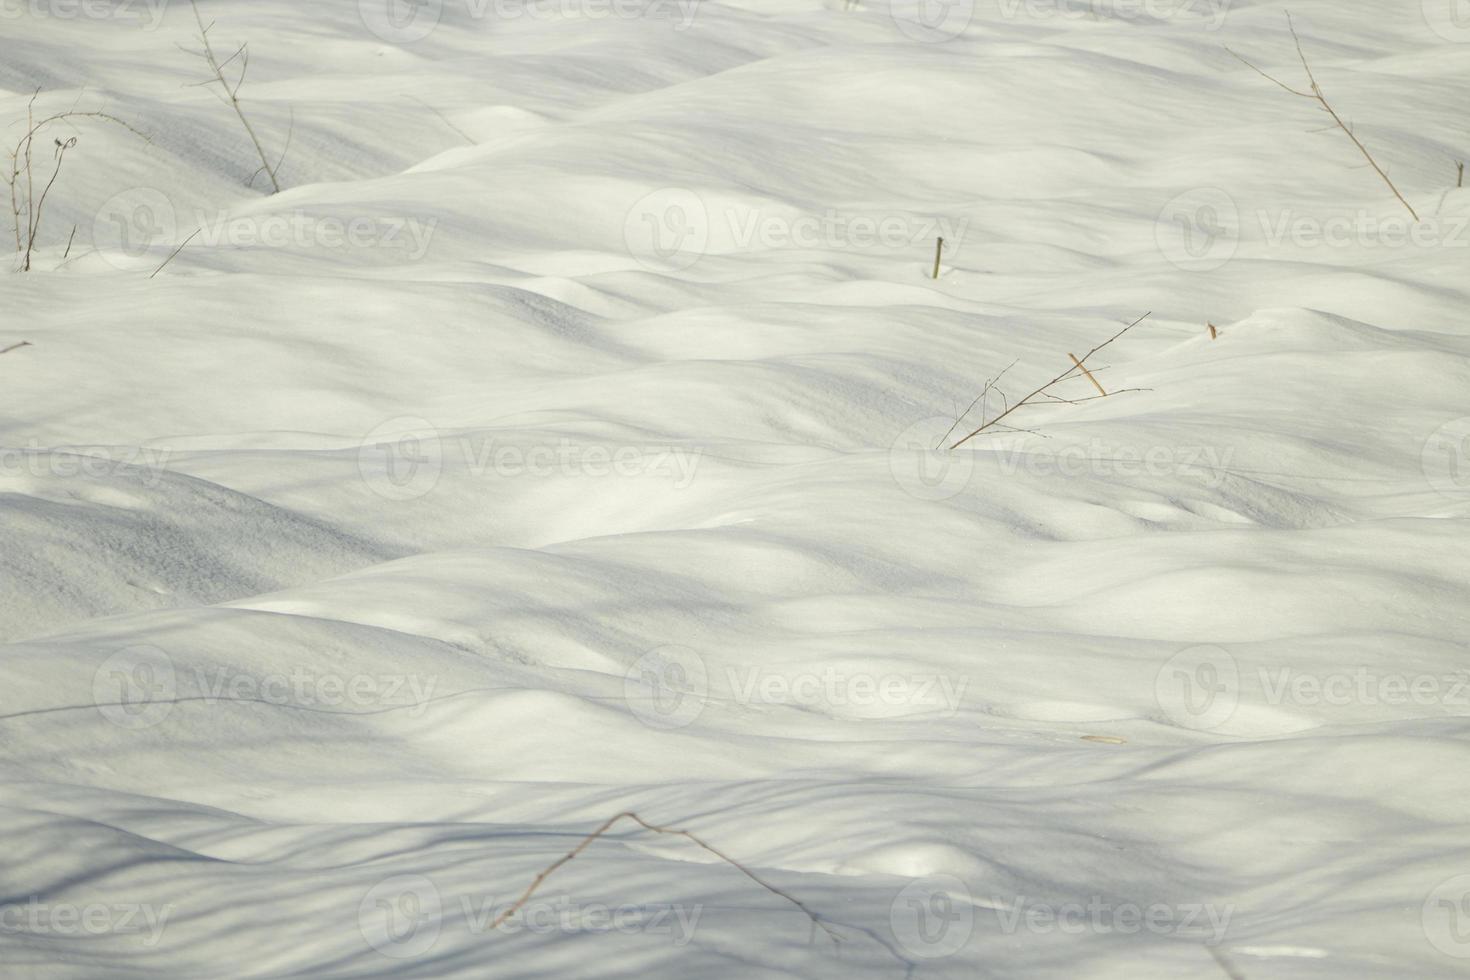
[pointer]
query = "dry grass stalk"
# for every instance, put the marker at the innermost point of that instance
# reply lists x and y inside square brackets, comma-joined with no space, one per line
[1077,369]
[1100,389]
[1315,94]
[938,254]
[1225,964]
[175,252]
[672,831]
[23,343]
[26,208]
[231,96]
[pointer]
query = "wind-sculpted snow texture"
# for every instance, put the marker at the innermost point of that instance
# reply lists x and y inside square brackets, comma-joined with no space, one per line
[562,440]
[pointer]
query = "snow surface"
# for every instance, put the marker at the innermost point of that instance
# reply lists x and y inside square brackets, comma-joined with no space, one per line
[559,442]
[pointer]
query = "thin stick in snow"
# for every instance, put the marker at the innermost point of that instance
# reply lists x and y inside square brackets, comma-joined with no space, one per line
[1315,94]
[673,831]
[1078,365]
[231,95]
[1100,389]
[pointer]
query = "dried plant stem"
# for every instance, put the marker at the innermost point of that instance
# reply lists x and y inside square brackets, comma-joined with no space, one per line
[23,343]
[1076,370]
[175,252]
[25,207]
[938,254]
[655,828]
[1100,389]
[231,92]
[1225,964]
[1315,94]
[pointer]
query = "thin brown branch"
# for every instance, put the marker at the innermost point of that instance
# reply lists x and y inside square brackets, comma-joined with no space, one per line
[232,92]
[467,137]
[175,252]
[1316,95]
[672,831]
[23,343]
[35,221]
[21,174]
[1044,390]
[1225,964]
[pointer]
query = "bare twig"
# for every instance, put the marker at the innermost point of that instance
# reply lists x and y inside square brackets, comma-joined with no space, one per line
[1103,392]
[673,831]
[25,206]
[175,252]
[35,222]
[1316,95]
[231,96]
[1078,365]
[23,343]
[1225,964]
[467,137]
